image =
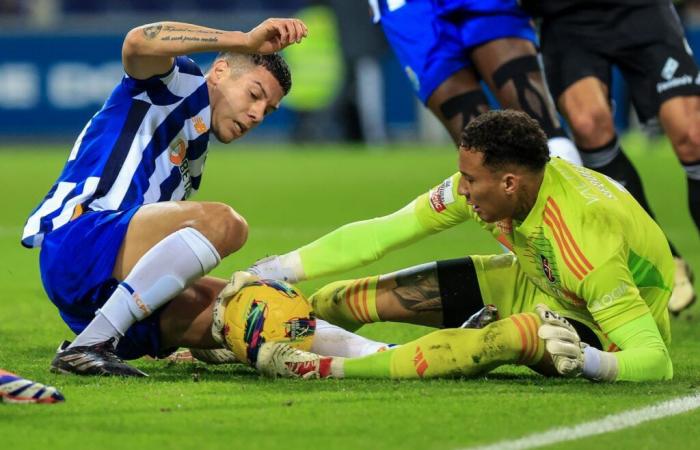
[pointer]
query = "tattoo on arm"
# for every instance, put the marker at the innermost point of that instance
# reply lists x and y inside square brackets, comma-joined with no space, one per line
[190,30]
[418,291]
[151,31]
[184,38]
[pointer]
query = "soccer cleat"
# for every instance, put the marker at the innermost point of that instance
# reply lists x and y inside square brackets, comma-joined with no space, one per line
[277,359]
[97,359]
[683,294]
[482,317]
[15,389]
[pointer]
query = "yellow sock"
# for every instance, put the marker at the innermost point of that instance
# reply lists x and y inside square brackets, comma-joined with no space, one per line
[456,352]
[347,303]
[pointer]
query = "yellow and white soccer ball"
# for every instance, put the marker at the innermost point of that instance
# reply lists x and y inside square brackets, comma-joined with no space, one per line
[266,311]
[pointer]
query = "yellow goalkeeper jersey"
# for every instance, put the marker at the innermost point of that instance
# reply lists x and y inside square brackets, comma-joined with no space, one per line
[586,242]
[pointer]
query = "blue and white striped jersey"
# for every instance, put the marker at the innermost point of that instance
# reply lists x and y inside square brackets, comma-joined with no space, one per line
[147,144]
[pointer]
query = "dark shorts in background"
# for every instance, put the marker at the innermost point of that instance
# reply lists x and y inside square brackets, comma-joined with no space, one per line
[647,43]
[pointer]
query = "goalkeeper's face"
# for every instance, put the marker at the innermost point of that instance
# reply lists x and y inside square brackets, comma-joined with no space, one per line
[490,192]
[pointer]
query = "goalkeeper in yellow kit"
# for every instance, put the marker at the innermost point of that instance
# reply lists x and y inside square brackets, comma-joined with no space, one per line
[582,249]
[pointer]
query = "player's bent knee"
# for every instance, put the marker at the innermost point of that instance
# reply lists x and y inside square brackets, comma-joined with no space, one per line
[687,146]
[223,226]
[591,126]
[234,229]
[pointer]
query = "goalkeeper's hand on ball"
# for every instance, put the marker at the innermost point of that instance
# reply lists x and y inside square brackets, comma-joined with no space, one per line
[239,280]
[286,268]
[561,341]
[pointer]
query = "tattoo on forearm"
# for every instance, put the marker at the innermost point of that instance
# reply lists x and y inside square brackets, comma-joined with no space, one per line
[184,38]
[189,30]
[151,31]
[418,291]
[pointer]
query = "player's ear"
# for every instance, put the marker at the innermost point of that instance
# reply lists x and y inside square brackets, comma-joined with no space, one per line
[510,182]
[219,70]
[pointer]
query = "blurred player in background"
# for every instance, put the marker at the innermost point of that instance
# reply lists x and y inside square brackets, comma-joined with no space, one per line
[446,48]
[580,41]
[123,255]
[15,389]
[581,245]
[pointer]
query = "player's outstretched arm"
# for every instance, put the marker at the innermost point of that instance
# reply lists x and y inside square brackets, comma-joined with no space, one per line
[363,242]
[347,247]
[149,50]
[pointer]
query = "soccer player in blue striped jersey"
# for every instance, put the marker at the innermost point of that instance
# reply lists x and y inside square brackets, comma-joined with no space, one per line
[123,253]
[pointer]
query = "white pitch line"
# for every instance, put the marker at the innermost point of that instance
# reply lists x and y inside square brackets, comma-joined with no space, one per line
[607,424]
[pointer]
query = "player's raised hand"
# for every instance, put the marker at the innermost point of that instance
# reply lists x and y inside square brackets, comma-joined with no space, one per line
[275,34]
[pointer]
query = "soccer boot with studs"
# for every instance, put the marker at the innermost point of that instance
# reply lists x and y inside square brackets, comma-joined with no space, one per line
[97,359]
[277,359]
[482,317]
[15,389]
[683,294]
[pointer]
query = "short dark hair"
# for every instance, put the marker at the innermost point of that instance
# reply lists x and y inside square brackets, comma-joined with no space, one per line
[507,137]
[274,63]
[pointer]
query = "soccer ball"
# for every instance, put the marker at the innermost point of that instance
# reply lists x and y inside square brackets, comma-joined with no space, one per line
[265,311]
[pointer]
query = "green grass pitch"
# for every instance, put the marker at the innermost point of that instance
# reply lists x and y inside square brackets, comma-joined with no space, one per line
[291,195]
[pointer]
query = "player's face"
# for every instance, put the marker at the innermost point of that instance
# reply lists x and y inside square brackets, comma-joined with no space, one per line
[486,189]
[240,104]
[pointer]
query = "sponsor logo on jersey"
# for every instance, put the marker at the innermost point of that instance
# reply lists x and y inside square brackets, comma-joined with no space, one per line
[178,151]
[608,299]
[441,196]
[669,69]
[186,178]
[199,125]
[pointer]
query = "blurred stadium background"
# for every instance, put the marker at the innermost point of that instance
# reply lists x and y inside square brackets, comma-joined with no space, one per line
[60,60]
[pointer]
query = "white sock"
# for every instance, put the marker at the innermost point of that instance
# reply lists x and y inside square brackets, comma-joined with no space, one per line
[162,272]
[330,340]
[565,149]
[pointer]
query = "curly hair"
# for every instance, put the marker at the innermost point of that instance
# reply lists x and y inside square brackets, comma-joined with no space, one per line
[274,63]
[507,137]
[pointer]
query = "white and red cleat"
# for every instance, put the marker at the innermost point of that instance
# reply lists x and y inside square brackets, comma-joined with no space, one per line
[277,359]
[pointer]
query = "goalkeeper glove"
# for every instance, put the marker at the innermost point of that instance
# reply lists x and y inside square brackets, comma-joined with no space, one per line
[286,268]
[571,356]
[239,280]
[561,341]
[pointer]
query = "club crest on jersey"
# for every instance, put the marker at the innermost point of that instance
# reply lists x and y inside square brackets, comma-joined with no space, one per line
[178,151]
[547,269]
[441,196]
